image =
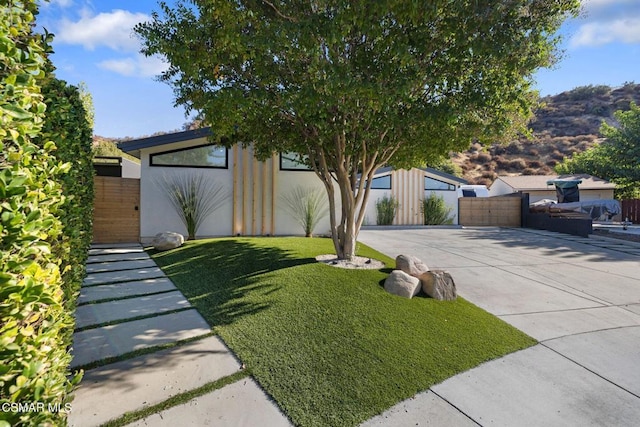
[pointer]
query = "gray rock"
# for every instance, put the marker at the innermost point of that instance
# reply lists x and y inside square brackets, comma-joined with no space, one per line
[439,284]
[167,240]
[411,265]
[401,284]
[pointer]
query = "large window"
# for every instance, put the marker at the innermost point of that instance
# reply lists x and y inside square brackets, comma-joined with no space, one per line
[434,184]
[381,183]
[203,156]
[293,162]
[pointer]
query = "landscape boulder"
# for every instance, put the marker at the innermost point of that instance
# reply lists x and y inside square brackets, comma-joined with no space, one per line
[439,284]
[167,240]
[411,265]
[401,284]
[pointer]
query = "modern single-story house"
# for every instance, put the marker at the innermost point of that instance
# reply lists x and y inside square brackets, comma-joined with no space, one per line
[409,187]
[254,188]
[590,188]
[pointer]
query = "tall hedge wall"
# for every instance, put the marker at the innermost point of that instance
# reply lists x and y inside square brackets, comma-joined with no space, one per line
[67,125]
[42,239]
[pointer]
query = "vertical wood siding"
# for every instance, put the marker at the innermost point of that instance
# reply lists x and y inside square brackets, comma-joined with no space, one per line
[116,212]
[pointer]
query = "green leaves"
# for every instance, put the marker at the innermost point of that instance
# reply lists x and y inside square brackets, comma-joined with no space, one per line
[36,220]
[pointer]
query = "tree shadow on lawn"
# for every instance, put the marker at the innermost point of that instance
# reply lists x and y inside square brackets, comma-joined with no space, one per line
[216,275]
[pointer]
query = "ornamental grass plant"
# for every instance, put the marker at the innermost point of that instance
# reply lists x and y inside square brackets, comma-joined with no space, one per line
[194,197]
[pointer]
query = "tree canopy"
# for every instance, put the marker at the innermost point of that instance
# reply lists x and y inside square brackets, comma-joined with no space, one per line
[355,85]
[617,159]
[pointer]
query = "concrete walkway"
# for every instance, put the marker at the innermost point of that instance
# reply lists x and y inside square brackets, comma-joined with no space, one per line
[127,304]
[580,297]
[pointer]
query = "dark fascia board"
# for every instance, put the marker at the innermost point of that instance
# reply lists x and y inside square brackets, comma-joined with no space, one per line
[431,171]
[446,175]
[134,146]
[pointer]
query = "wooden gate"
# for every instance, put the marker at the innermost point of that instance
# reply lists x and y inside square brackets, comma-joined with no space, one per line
[490,211]
[116,213]
[631,210]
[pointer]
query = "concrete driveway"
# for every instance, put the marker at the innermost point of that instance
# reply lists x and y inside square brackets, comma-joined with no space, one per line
[580,297]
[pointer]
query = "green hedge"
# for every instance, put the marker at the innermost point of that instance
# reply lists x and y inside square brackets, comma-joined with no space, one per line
[67,125]
[39,230]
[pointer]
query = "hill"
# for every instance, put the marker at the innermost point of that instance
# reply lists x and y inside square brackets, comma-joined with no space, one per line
[563,125]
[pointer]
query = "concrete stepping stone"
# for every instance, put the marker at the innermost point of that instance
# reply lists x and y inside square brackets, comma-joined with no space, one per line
[115,245]
[95,314]
[115,250]
[96,344]
[122,276]
[129,256]
[120,265]
[150,379]
[124,289]
[242,403]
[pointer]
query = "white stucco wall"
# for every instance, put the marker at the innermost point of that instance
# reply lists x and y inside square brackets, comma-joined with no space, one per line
[451,200]
[370,211]
[287,181]
[130,169]
[499,187]
[254,182]
[156,212]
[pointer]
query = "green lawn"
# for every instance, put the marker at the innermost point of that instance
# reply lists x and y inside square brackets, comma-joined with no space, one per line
[329,344]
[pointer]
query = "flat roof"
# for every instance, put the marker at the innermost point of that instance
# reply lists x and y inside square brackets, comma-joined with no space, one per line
[133,146]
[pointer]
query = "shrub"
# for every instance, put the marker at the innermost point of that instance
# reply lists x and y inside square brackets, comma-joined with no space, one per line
[435,211]
[535,164]
[308,206]
[483,157]
[514,148]
[67,125]
[193,198]
[386,209]
[490,175]
[35,326]
[517,164]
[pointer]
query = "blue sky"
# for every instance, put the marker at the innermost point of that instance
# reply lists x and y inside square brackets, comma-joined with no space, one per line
[94,45]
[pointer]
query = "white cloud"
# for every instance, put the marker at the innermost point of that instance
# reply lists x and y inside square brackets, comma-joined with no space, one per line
[601,33]
[607,21]
[139,66]
[113,30]
[125,66]
[59,3]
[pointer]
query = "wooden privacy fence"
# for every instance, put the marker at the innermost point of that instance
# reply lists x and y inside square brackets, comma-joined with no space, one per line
[631,210]
[116,213]
[490,211]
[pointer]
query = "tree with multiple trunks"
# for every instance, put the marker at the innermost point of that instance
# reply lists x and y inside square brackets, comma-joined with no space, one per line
[355,85]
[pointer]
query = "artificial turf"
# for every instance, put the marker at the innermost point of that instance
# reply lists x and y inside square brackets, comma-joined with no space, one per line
[329,344]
